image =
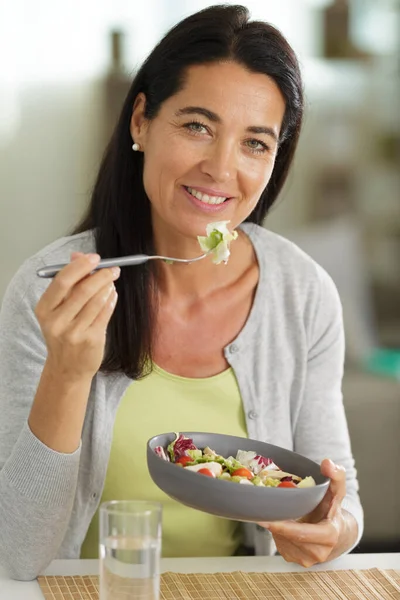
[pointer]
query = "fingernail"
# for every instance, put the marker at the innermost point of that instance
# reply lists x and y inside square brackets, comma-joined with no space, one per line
[93,258]
[115,272]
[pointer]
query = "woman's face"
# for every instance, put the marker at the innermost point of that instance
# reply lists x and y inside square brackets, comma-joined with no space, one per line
[210,151]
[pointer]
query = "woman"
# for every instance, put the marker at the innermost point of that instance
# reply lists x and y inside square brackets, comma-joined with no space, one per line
[92,365]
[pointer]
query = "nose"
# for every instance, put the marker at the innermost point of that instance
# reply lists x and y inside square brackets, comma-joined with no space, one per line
[220,162]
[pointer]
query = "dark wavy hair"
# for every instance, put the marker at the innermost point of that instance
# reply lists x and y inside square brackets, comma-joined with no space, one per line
[119,210]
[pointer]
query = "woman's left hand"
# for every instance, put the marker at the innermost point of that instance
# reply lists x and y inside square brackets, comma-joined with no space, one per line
[323,534]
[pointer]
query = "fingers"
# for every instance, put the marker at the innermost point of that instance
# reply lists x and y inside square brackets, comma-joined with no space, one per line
[331,502]
[92,309]
[75,255]
[323,533]
[91,289]
[337,487]
[311,540]
[306,555]
[105,314]
[306,548]
[79,268]
[74,313]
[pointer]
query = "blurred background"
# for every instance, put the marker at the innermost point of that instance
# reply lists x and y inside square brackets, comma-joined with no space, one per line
[64,71]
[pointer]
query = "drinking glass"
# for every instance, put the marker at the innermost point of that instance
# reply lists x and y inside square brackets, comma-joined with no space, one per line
[130,549]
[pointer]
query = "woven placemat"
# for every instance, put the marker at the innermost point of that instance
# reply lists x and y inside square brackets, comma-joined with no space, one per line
[372,584]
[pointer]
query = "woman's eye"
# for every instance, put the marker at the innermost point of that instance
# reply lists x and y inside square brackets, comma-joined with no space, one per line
[257,146]
[196,127]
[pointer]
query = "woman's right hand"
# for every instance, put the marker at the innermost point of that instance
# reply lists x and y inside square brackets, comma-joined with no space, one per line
[73,314]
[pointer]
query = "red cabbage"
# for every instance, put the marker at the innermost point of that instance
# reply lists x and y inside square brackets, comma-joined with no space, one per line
[181,446]
[262,461]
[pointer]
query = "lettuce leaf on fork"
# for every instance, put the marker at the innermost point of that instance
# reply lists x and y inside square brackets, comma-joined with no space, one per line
[217,241]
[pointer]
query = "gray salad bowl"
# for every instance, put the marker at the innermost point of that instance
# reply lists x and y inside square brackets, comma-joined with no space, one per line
[232,500]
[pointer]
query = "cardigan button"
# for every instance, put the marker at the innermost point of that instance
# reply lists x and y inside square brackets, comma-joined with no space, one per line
[252,414]
[233,348]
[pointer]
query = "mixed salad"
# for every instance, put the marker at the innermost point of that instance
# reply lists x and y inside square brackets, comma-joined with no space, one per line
[247,468]
[217,241]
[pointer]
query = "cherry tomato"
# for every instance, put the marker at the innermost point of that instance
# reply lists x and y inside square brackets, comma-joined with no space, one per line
[184,460]
[243,473]
[206,472]
[288,484]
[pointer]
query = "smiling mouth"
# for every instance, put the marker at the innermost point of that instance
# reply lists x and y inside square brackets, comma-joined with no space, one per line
[205,198]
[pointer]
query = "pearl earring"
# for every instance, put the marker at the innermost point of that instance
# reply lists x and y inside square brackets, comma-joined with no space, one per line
[136,147]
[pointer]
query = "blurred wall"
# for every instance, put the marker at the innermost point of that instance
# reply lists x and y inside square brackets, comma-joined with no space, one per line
[46,167]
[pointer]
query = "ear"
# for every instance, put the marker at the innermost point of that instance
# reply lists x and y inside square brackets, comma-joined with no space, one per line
[139,122]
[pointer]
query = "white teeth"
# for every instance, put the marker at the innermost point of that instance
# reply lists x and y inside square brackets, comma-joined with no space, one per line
[205,198]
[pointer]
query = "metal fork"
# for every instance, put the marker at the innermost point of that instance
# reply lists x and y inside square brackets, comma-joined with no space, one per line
[122,261]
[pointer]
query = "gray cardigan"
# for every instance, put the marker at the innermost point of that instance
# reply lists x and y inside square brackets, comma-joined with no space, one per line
[288,360]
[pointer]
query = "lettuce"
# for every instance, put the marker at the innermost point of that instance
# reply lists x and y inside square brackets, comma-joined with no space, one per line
[225,476]
[270,482]
[231,464]
[208,452]
[257,481]
[195,454]
[245,457]
[217,241]
[255,462]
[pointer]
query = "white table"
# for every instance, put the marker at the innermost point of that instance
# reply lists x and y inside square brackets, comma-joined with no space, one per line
[16,590]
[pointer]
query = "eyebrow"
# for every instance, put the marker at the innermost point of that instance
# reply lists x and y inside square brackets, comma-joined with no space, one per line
[214,118]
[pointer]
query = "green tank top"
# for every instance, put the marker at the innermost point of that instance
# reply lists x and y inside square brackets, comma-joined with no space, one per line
[164,402]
